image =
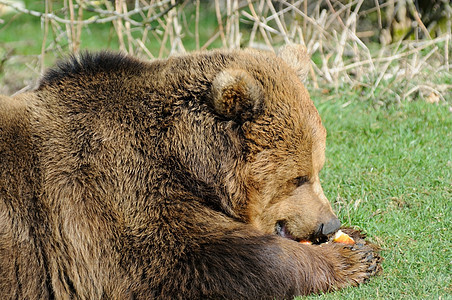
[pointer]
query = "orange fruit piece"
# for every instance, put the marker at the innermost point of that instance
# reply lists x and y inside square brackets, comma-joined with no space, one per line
[341,237]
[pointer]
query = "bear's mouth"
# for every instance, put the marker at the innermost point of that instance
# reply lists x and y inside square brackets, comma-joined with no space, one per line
[315,238]
[281,230]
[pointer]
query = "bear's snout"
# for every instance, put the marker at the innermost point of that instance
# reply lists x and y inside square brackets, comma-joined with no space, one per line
[330,226]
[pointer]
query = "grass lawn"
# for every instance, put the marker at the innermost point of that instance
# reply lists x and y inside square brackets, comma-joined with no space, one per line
[389,172]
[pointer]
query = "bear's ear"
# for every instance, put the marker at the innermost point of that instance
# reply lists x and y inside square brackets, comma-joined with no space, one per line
[297,57]
[236,95]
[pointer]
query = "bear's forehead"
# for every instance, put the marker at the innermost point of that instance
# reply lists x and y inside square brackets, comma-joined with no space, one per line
[290,130]
[289,137]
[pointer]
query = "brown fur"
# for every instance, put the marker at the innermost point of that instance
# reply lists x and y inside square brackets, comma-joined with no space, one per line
[126,179]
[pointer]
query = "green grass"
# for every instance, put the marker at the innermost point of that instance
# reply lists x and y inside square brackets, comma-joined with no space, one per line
[389,172]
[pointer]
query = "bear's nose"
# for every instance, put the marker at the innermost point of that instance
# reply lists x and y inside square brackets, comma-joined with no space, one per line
[331,226]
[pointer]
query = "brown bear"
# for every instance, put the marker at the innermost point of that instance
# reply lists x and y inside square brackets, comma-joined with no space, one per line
[192,177]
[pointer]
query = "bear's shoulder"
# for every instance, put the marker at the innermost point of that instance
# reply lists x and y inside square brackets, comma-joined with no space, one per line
[90,64]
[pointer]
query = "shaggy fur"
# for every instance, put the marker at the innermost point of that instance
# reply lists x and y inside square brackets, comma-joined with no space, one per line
[191,177]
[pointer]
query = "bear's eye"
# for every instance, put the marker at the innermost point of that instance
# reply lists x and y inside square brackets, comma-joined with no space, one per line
[299,181]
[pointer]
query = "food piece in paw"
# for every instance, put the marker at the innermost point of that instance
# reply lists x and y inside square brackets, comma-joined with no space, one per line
[341,237]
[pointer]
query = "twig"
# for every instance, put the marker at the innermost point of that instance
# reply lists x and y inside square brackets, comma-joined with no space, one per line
[334,13]
[143,46]
[220,22]
[422,86]
[210,41]
[117,23]
[305,21]
[377,6]
[418,19]
[278,21]
[197,25]
[449,35]
[48,3]
[71,27]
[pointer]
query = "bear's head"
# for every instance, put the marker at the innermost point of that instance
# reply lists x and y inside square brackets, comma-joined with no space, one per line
[285,144]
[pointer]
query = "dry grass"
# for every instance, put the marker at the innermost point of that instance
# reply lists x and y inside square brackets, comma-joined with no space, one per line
[335,33]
